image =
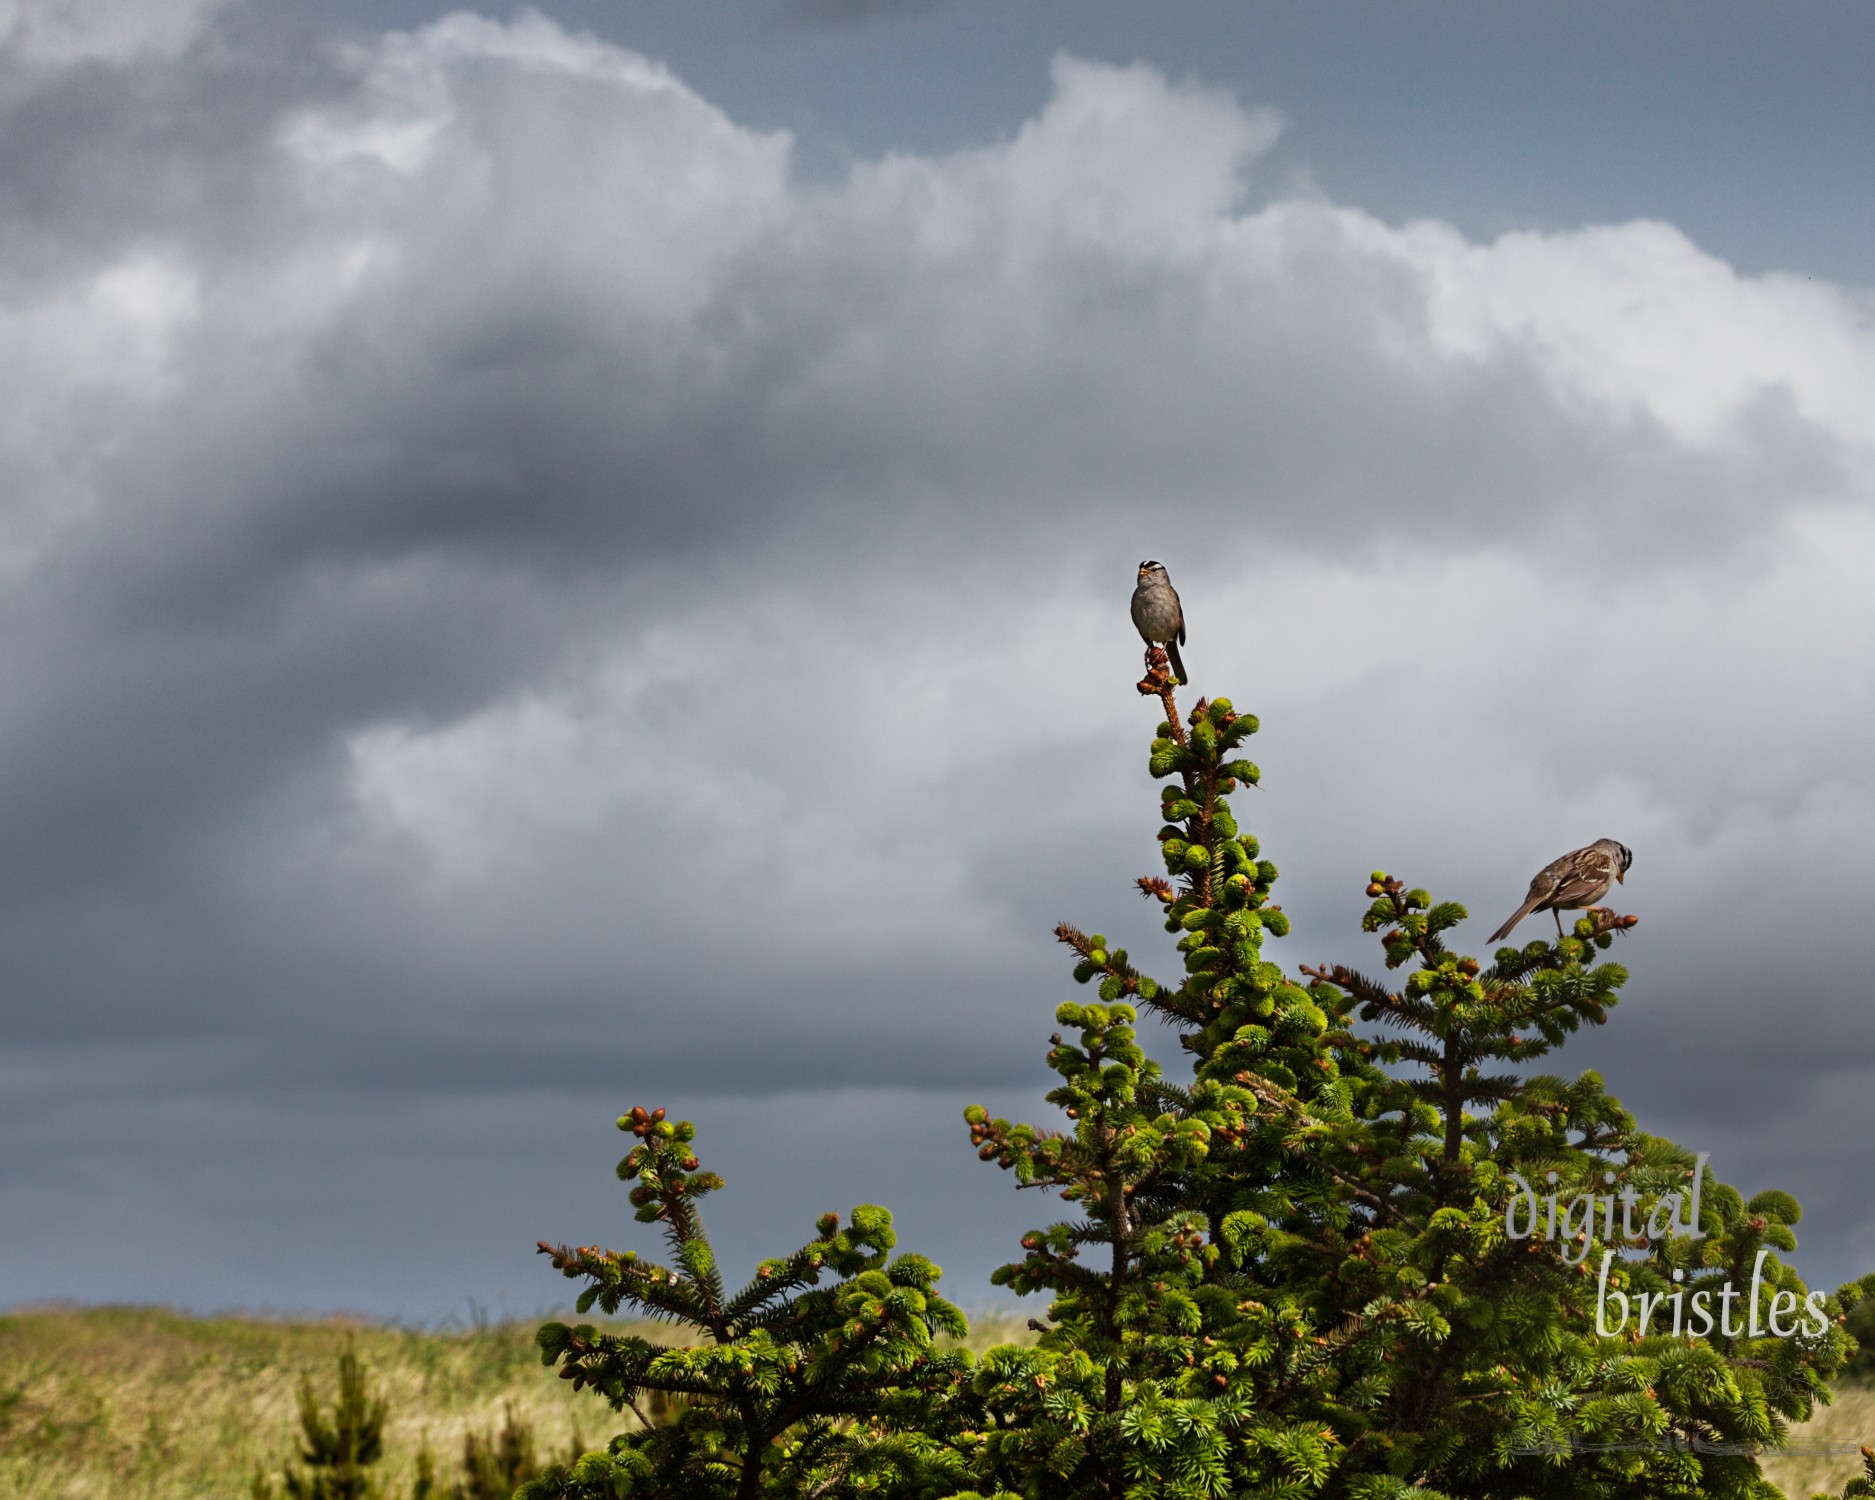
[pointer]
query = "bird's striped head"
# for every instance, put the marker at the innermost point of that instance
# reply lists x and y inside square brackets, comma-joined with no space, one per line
[1623,857]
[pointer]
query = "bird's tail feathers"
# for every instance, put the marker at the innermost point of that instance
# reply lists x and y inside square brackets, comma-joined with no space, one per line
[1178,667]
[1516,917]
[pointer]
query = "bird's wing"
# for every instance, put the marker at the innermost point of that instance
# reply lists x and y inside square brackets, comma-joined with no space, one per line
[1589,874]
[1548,880]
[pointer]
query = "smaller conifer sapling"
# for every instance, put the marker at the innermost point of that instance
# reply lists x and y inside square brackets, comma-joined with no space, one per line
[784,1387]
[337,1452]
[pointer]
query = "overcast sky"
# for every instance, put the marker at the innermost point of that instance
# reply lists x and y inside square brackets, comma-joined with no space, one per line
[558,559]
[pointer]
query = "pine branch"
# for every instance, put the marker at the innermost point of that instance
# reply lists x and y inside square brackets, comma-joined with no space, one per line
[1367,992]
[1280,1099]
[1158,683]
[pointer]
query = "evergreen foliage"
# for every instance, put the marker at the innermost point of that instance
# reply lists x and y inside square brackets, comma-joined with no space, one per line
[337,1451]
[1863,1486]
[790,1388]
[495,1464]
[1861,1327]
[1289,1276]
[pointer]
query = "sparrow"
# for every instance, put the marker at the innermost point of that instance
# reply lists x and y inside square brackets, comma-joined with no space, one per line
[1158,616]
[1580,878]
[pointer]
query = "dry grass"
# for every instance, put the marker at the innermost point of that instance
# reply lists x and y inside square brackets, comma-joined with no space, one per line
[1848,1422]
[135,1403]
[140,1402]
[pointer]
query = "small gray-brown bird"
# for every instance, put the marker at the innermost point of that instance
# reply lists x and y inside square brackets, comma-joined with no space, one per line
[1580,878]
[1158,616]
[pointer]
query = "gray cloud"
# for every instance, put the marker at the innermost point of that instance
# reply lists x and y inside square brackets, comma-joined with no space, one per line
[852,13]
[510,593]
[42,34]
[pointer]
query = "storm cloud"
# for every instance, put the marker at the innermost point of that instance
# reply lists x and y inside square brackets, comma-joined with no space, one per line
[517,601]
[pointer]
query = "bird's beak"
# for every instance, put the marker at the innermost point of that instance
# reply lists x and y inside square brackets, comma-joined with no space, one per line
[1621,877]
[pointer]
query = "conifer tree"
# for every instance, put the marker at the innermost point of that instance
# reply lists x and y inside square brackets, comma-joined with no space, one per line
[337,1452]
[1508,1369]
[786,1387]
[1295,1276]
[1174,1366]
[494,1466]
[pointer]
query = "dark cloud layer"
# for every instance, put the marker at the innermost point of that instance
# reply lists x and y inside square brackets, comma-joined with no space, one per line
[515,600]
[842,13]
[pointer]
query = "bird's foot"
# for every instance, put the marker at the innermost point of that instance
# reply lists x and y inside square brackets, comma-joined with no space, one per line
[1159,683]
[1158,676]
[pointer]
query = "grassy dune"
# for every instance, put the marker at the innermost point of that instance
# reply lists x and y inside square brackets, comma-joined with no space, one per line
[137,1403]
[1849,1421]
[144,1404]
[140,1402]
